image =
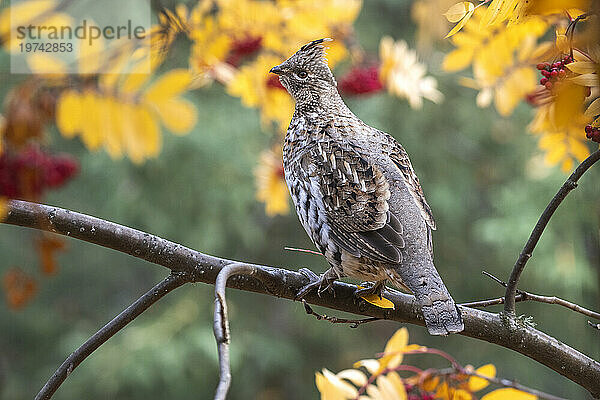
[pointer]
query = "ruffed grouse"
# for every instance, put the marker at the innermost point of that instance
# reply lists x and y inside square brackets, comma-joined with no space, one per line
[356,194]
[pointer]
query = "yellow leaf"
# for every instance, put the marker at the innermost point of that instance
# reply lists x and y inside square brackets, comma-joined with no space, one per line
[545,7]
[586,80]
[148,131]
[331,387]
[69,113]
[431,384]
[398,341]
[490,13]
[3,208]
[113,70]
[557,153]
[510,9]
[136,76]
[374,392]
[21,13]
[513,88]
[377,301]
[577,148]
[562,42]
[414,347]
[387,389]
[91,55]
[177,115]
[127,121]
[370,365]
[568,104]
[593,109]
[394,350]
[508,394]
[133,82]
[456,12]
[398,385]
[460,394]
[92,131]
[355,376]
[458,59]
[114,135]
[583,67]
[169,85]
[566,165]
[476,383]
[484,97]
[43,63]
[270,185]
[462,22]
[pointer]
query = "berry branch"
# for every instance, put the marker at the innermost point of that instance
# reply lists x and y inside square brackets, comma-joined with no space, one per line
[199,267]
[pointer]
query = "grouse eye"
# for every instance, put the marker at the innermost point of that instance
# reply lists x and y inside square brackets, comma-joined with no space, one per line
[302,74]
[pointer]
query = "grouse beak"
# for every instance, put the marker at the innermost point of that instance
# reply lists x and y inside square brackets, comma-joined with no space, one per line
[276,70]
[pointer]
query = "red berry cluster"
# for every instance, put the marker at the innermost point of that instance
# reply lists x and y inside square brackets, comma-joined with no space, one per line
[593,133]
[242,48]
[30,172]
[361,80]
[552,72]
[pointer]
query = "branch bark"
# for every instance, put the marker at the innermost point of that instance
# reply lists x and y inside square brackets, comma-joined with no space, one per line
[536,234]
[492,328]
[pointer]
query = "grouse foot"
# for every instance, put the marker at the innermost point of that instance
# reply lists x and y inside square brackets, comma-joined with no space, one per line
[374,288]
[321,283]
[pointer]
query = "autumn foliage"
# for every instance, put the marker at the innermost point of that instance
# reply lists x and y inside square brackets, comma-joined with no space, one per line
[388,377]
[126,98]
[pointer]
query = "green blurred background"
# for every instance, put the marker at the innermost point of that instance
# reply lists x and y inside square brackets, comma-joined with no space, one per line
[480,174]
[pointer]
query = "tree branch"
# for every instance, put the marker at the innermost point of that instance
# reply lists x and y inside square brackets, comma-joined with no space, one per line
[221,324]
[570,184]
[524,296]
[171,282]
[482,325]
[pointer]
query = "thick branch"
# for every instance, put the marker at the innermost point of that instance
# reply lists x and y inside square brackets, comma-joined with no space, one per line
[482,325]
[570,184]
[171,282]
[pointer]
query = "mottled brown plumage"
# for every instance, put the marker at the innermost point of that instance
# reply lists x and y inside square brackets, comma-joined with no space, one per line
[357,195]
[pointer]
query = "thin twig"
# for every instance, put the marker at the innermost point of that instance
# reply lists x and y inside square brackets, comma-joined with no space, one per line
[593,325]
[171,282]
[303,250]
[489,302]
[335,320]
[221,324]
[284,283]
[524,296]
[570,184]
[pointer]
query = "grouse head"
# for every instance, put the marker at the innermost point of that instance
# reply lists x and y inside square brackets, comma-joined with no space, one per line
[306,75]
